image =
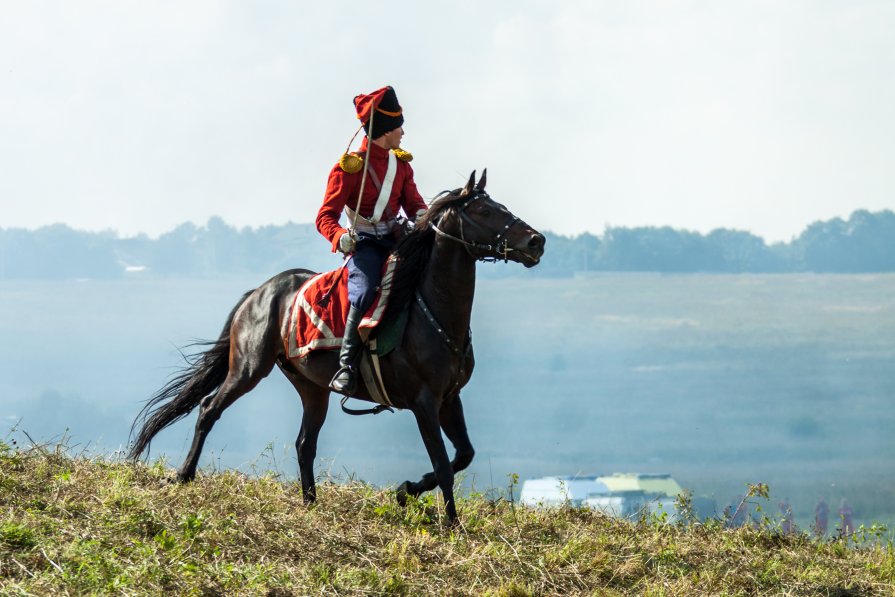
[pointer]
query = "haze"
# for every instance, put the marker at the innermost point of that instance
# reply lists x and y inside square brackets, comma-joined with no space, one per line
[759,116]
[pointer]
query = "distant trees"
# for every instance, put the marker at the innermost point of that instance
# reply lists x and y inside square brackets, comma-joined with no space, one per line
[656,249]
[56,251]
[863,243]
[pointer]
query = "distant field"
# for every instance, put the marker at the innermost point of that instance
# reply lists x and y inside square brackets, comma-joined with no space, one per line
[718,379]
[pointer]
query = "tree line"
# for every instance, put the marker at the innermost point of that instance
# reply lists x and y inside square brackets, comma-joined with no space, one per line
[865,242]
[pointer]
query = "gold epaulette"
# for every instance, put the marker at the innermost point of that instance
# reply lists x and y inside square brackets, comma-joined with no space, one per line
[351,163]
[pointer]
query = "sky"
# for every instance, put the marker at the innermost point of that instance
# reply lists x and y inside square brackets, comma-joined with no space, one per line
[762,116]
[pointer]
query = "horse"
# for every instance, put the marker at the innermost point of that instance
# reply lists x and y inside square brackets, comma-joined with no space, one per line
[434,281]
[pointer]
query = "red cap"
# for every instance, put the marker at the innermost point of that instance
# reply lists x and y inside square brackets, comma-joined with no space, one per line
[365,103]
[389,114]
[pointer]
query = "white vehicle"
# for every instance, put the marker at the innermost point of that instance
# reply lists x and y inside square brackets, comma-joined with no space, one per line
[554,492]
[624,495]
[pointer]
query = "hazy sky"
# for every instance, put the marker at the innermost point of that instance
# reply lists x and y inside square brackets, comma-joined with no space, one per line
[761,116]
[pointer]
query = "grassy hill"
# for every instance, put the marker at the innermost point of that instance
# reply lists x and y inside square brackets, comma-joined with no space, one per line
[75,525]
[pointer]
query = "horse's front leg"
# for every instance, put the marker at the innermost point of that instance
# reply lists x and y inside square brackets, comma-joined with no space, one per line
[453,423]
[426,412]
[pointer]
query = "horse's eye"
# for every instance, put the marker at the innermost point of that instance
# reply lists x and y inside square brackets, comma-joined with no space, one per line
[486,212]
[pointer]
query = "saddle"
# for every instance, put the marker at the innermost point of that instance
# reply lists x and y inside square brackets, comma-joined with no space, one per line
[317,322]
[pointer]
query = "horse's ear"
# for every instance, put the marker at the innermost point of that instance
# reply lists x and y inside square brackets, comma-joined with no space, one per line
[469,185]
[480,185]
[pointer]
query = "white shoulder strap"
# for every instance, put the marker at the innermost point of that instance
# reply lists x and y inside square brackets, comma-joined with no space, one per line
[386,191]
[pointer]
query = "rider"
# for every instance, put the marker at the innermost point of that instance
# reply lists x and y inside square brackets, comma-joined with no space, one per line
[386,181]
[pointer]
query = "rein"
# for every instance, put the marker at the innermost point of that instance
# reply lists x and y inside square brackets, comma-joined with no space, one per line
[500,249]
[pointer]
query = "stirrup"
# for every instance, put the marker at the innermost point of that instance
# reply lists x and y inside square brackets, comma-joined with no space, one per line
[349,386]
[364,411]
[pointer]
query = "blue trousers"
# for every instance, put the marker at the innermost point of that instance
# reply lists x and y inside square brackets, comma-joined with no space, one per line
[365,269]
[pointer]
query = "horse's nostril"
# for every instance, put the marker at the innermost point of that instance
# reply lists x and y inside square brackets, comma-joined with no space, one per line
[536,242]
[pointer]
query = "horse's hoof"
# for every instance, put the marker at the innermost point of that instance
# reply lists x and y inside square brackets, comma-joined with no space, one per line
[402,492]
[453,520]
[181,478]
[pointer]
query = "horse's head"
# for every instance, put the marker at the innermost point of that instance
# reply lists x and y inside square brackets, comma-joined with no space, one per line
[487,229]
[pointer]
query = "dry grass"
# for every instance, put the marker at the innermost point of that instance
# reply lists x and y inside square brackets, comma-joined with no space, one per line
[76,525]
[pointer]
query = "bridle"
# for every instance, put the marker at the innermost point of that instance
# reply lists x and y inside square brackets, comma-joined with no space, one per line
[499,250]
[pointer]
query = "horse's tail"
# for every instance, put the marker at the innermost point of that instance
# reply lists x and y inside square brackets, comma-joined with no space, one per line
[203,375]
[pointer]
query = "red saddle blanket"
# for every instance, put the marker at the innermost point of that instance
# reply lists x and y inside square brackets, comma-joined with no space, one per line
[316,326]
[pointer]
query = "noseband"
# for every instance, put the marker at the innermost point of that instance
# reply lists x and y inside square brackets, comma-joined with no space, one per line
[499,250]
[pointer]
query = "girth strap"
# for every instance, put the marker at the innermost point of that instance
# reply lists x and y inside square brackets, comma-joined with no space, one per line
[372,376]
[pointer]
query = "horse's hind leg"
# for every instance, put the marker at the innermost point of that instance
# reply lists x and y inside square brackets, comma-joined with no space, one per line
[245,373]
[453,423]
[315,402]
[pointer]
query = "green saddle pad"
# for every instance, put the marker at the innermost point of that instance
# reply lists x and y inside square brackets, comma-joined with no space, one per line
[388,334]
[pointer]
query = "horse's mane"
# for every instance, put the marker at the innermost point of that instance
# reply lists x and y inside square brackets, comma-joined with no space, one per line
[413,252]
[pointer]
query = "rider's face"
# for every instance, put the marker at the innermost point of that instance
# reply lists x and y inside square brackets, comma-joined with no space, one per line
[392,139]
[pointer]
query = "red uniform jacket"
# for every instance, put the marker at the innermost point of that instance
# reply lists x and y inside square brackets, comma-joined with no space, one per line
[342,189]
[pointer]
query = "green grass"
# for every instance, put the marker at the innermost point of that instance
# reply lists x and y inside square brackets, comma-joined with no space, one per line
[71,525]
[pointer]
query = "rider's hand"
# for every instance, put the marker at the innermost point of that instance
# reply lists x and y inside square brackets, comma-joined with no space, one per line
[410,224]
[347,243]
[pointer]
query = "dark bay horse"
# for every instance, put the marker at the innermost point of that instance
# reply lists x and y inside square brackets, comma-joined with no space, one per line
[424,374]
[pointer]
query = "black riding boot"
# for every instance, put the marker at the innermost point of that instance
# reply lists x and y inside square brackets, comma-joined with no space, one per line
[345,380]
